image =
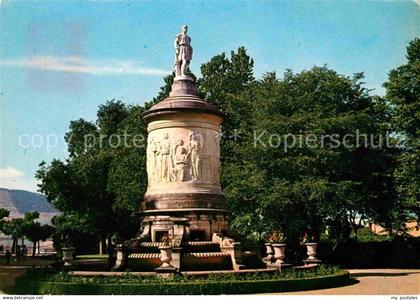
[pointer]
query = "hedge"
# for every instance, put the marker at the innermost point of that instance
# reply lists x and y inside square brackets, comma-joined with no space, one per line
[397,253]
[196,287]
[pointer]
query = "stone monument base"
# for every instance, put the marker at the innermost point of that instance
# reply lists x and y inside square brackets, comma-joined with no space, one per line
[183,85]
[219,253]
[195,225]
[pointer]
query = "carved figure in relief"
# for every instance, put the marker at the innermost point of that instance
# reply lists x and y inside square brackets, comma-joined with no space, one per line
[150,161]
[194,154]
[180,160]
[155,149]
[216,160]
[166,160]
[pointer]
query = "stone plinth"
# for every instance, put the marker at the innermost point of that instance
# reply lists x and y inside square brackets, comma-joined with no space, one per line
[182,86]
[184,199]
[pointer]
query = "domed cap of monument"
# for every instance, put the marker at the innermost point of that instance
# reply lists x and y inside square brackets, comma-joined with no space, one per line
[183,95]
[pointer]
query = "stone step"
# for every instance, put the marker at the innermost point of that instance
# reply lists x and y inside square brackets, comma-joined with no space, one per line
[144,255]
[152,244]
[193,254]
[202,246]
[201,261]
[149,247]
[190,243]
[190,261]
[192,246]
[201,243]
[206,254]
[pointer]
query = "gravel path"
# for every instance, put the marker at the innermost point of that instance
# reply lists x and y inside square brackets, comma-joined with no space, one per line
[375,282]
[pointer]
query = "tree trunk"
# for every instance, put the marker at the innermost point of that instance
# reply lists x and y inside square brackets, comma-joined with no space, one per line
[355,227]
[34,249]
[110,251]
[102,243]
[388,227]
[14,246]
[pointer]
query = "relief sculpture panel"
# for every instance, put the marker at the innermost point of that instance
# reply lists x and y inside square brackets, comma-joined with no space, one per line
[183,155]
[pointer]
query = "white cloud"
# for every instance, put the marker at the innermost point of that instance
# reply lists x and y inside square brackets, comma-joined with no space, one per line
[10,172]
[75,64]
[13,179]
[23,183]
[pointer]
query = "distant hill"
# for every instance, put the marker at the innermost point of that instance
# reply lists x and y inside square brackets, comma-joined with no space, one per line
[18,202]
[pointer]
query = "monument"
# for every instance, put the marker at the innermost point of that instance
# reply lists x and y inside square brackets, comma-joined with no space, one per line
[184,199]
[184,208]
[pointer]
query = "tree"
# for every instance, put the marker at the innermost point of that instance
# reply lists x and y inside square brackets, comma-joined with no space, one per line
[4,213]
[304,187]
[99,186]
[222,80]
[223,76]
[403,94]
[74,230]
[15,227]
[36,232]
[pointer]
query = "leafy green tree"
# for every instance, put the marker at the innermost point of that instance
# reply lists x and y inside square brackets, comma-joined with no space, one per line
[4,213]
[403,93]
[16,227]
[71,228]
[222,80]
[36,232]
[223,76]
[99,186]
[302,188]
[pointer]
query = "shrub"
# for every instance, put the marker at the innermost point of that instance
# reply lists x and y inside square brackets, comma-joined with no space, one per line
[37,282]
[400,252]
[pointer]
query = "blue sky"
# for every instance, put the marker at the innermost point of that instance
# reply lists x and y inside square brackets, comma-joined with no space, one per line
[59,60]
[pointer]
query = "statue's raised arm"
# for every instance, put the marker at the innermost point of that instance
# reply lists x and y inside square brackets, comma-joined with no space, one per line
[183,52]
